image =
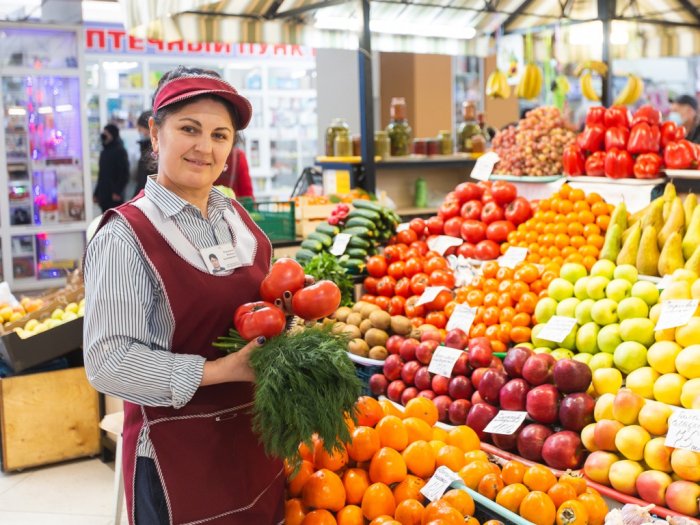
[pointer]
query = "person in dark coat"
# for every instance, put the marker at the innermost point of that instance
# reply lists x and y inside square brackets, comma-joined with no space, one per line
[684,112]
[113,171]
[146,163]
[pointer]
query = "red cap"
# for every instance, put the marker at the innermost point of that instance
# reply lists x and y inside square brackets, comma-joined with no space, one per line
[182,88]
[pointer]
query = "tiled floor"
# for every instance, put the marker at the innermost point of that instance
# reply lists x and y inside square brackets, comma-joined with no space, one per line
[74,493]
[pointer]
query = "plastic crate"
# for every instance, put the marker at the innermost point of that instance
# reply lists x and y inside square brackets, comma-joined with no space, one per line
[275,218]
[485,509]
[364,369]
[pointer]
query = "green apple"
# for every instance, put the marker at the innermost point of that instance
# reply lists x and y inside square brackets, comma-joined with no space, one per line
[542,350]
[662,356]
[604,312]
[580,288]
[626,271]
[583,311]
[69,316]
[541,342]
[646,291]
[604,268]
[567,308]
[560,289]
[527,345]
[640,330]
[584,358]
[629,356]
[596,287]
[587,338]
[72,307]
[642,381]
[609,338]
[562,353]
[569,341]
[618,289]
[631,308]
[57,313]
[545,309]
[601,360]
[572,272]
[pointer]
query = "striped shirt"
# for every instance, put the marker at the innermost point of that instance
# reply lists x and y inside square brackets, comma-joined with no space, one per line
[128,323]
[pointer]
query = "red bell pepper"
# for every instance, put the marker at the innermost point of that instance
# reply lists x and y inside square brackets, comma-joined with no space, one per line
[592,138]
[644,139]
[616,138]
[618,164]
[647,166]
[680,155]
[573,160]
[617,116]
[595,115]
[595,164]
[647,113]
[670,132]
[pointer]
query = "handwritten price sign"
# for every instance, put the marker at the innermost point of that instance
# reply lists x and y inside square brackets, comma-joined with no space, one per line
[506,422]
[684,430]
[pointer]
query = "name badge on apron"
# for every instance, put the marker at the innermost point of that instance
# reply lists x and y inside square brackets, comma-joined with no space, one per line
[221,258]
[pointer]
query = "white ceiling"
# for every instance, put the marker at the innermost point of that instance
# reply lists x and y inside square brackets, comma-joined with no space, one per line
[93,10]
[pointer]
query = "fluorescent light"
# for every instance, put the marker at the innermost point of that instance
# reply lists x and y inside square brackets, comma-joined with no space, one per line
[16,111]
[592,33]
[44,110]
[392,27]
[62,108]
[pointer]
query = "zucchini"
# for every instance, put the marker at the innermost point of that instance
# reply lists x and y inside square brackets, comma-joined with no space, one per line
[353,266]
[356,253]
[358,242]
[304,255]
[328,229]
[312,245]
[367,214]
[361,231]
[361,221]
[324,239]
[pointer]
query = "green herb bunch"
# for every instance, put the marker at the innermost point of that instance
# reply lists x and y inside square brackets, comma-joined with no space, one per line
[326,266]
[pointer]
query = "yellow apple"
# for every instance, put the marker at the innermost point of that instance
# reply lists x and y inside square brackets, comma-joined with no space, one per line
[654,417]
[597,466]
[688,362]
[682,274]
[686,464]
[690,394]
[623,476]
[604,434]
[695,289]
[668,387]
[689,334]
[676,290]
[630,441]
[607,380]
[657,455]
[662,356]
[641,381]
[603,407]
[587,437]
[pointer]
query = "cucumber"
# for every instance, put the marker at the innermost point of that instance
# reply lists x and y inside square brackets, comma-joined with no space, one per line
[304,255]
[361,231]
[312,245]
[367,214]
[356,253]
[358,242]
[353,266]
[324,239]
[361,221]
[328,229]
[369,205]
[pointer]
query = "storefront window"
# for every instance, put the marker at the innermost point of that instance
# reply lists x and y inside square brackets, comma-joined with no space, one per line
[92,76]
[124,110]
[38,49]
[247,78]
[291,78]
[121,75]
[156,71]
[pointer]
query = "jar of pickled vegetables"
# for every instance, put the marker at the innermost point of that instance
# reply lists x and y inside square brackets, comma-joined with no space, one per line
[399,130]
[338,124]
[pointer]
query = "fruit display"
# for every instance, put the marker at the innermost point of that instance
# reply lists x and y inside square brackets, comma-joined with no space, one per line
[13,313]
[535,146]
[585,73]
[497,85]
[616,144]
[57,317]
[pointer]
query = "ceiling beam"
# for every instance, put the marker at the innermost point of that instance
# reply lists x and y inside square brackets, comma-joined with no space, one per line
[691,9]
[272,10]
[310,7]
[520,11]
[472,9]
[666,23]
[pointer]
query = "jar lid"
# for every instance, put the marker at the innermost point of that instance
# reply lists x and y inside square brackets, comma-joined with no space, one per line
[398,108]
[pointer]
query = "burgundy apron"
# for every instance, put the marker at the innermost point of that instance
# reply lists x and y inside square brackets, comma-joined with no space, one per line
[212,467]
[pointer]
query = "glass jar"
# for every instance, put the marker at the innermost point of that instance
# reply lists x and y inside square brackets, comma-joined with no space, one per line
[382,144]
[420,147]
[434,146]
[357,146]
[468,129]
[445,142]
[338,124]
[398,129]
[342,144]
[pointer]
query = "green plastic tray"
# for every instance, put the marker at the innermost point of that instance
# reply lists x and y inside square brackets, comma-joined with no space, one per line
[275,218]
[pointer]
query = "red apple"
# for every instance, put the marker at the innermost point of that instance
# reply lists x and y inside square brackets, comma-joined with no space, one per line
[537,369]
[407,349]
[428,394]
[479,416]
[408,394]
[378,384]
[392,367]
[425,351]
[423,379]
[461,367]
[460,387]
[496,363]
[440,385]
[576,411]
[514,394]
[682,496]
[456,338]
[563,450]
[652,485]
[507,442]
[443,404]
[477,375]
[515,359]
[393,344]
[480,352]
[458,411]
[490,385]
[408,372]
[531,440]
[542,404]
[431,335]
[476,398]
[395,390]
[571,376]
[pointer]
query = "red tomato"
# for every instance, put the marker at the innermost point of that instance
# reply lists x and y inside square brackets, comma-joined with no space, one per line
[467,191]
[382,302]
[435,225]
[403,287]
[434,263]
[396,305]
[492,212]
[448,209]
[419,283]
[376,265]
[418,226]
[412,310]
[318,300]
[411,253]
[260,318]
[407,236]
[471,210]
[370,284]
[452,226]
[503,192]
[392,253]
[396,269]
[498,231]
[466,250]
[368,298]
[412,267]
[487,250]
[518,211]
[442,278]
[285,275]
[420,246]
[386,285]
[437,319]
[473,231]
[440,301]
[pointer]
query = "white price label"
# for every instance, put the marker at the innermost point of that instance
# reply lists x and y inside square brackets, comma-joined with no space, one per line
[430,294]
[403,226]
[506,422]
[442,243]
[462,317]
[663,283]
[557,328]
[443,361]
[437,485]
[462,268]
[513,256]
[484,166]
[340,244]
[676,313]
[684,430]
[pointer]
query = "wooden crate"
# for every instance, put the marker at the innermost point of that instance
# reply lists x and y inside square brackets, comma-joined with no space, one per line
[304,210]
[305,226]
[48,417]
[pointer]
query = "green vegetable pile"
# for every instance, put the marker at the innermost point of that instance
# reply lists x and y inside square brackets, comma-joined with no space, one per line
[326,266]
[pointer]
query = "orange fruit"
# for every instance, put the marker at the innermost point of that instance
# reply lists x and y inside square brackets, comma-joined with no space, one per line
[596,507]
[474,455]
[460,500]
[578,482]
[561,492]
[463,437]
[377,501]
[594,197]
[355,482]
[490,485]
[451,457]
[572,512]
[296,483]
[409,488]
[442,513]
[437,445]
[513,472]
[305,452]
[365,442]
[409,512]
[369,411]
[418,429]
[324,490]
[350,515]
[384,520]
[319,517]
[392,433]
[387,466]
[294,511]
[332,461]
[538,508]
[422,408]
[539,477]
[390,409]
[472,473]
[420,458]
[511,496]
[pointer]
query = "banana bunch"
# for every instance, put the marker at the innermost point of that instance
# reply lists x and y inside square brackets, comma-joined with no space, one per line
[631,92]
[585,72]
[587,88]
[592,66]
[497,85]
[530,84]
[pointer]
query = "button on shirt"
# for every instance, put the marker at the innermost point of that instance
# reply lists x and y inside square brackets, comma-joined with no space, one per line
[128,324]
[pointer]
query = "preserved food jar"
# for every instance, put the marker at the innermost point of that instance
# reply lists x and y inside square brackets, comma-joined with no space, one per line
[338,124]
[468,129]
[398,129]
[445,142]
[382,144]
[342,145]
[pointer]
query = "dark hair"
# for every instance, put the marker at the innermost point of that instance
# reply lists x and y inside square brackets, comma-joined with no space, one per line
[143,118]
[113,130]
[183,71]
[687,100]
[213,256]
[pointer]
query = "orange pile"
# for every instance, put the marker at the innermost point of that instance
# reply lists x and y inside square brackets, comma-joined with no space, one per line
[569,226]
[378,477]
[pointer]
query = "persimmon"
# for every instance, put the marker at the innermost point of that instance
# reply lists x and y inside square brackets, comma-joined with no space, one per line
[384,520]
[511,496]
[350,515]
[577,482]
[538,508]
[572,512]
[324,490]
[417,429]
[369,411]
[460,500]
[296,482]
[377,501]
[441,512]
[420,458]
[294,511]
[596,507]
[472,473]
[319,517]
[451,457]
[332,461]
[490,485]
[364,444]
[409,488]
[561,492]
[409,512]
[464,438]
[392,433]
[355,482]
[439,434]
[387,466]
[539,477]
[390,409]
[474,455]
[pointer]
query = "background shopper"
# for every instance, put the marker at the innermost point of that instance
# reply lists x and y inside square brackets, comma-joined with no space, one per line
[146,162]
[236,174]
[684,112]
[113,171]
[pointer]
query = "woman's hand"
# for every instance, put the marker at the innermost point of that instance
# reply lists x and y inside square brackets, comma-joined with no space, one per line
[285,303]
[231,368]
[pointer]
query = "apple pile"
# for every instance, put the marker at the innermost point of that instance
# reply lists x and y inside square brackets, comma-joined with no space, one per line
[628,452]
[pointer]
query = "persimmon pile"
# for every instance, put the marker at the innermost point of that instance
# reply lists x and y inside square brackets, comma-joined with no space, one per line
[377,478]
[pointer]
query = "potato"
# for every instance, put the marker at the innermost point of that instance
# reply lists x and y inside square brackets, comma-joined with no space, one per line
[357,307]
[376,337]
[341,314]
[368,309]
[365,325]
[352,331]
[380,319]
[378,352]
[354,318]
[358,347]
[401,325]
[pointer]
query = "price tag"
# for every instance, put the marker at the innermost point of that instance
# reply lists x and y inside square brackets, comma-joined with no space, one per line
[340,243]
[676,313]
[442,243]
[443,361]
[684,430]
[462,317]
[437,485]
[484,166]
[506,422]
[430,294]
[512,257]
[557,328]
[403,226]
[663,283]
[462,268]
